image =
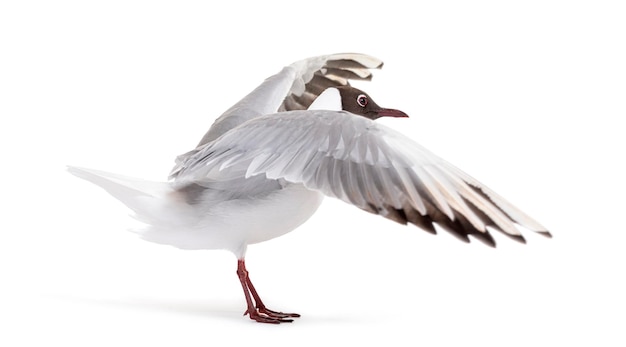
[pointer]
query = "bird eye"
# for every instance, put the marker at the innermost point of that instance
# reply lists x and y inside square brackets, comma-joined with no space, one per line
[361,100]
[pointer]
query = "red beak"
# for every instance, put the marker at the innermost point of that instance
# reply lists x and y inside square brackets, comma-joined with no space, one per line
[390,112]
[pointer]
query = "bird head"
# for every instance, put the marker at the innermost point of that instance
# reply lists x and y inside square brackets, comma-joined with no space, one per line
[353,100]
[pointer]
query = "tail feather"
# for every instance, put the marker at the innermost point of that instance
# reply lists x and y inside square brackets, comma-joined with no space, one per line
[154,203]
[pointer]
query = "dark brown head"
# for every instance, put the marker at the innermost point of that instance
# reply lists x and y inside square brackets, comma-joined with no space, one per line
[358,102]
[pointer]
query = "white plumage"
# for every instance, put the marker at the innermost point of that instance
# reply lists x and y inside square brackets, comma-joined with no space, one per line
[266,163]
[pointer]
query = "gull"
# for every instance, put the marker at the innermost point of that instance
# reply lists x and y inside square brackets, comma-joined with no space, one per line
[265,165]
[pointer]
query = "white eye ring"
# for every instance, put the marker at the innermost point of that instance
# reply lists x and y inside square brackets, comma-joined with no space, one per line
[361,100]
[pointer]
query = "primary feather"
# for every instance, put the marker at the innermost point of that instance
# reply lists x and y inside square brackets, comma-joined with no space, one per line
[265,165]
[360,162]
[269,156]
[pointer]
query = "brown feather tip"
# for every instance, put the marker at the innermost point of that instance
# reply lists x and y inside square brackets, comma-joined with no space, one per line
[545,233]
[518,238]
[459,236]
[485,238]
[423,222]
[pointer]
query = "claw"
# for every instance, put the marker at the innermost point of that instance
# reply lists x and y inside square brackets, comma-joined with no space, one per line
[264,318]
[276,314]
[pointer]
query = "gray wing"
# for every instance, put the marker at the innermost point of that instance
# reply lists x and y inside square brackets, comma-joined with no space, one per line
[294,88]
[362,163]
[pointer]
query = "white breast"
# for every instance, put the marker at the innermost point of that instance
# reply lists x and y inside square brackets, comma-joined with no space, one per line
[234,224]
[257,220]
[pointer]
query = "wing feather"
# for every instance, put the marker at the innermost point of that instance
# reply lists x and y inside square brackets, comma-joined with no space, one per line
[295,87]
[314,75]
[362,163]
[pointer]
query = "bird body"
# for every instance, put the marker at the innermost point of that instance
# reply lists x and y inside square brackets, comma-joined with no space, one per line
[209,223]
[265,165]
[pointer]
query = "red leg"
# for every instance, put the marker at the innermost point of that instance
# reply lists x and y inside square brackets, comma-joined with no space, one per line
[261,306]
[258,312]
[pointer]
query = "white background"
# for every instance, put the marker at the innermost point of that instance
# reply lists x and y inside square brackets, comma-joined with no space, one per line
[529,97]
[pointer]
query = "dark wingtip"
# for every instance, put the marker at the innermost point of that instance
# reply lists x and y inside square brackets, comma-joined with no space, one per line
[423,222]
[518,238]
[485,238]
[380,66]
[428,228]
[396,215]
[545,233]
[459,236]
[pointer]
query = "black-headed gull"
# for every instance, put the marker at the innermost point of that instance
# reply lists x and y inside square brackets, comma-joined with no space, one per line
[264,166]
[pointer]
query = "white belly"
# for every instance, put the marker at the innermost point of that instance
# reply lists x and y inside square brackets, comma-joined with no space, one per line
[234,224]
[258,220]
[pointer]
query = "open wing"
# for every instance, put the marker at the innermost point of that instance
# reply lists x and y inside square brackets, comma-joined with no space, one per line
[362,163]
[294,88]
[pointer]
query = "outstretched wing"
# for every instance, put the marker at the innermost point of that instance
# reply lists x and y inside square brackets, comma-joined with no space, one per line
[294,88]
[362,163]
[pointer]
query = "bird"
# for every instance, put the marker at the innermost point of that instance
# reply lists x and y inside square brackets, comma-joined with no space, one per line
[305,133]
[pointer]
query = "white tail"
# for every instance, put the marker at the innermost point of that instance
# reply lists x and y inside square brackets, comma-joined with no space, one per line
[154,203]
